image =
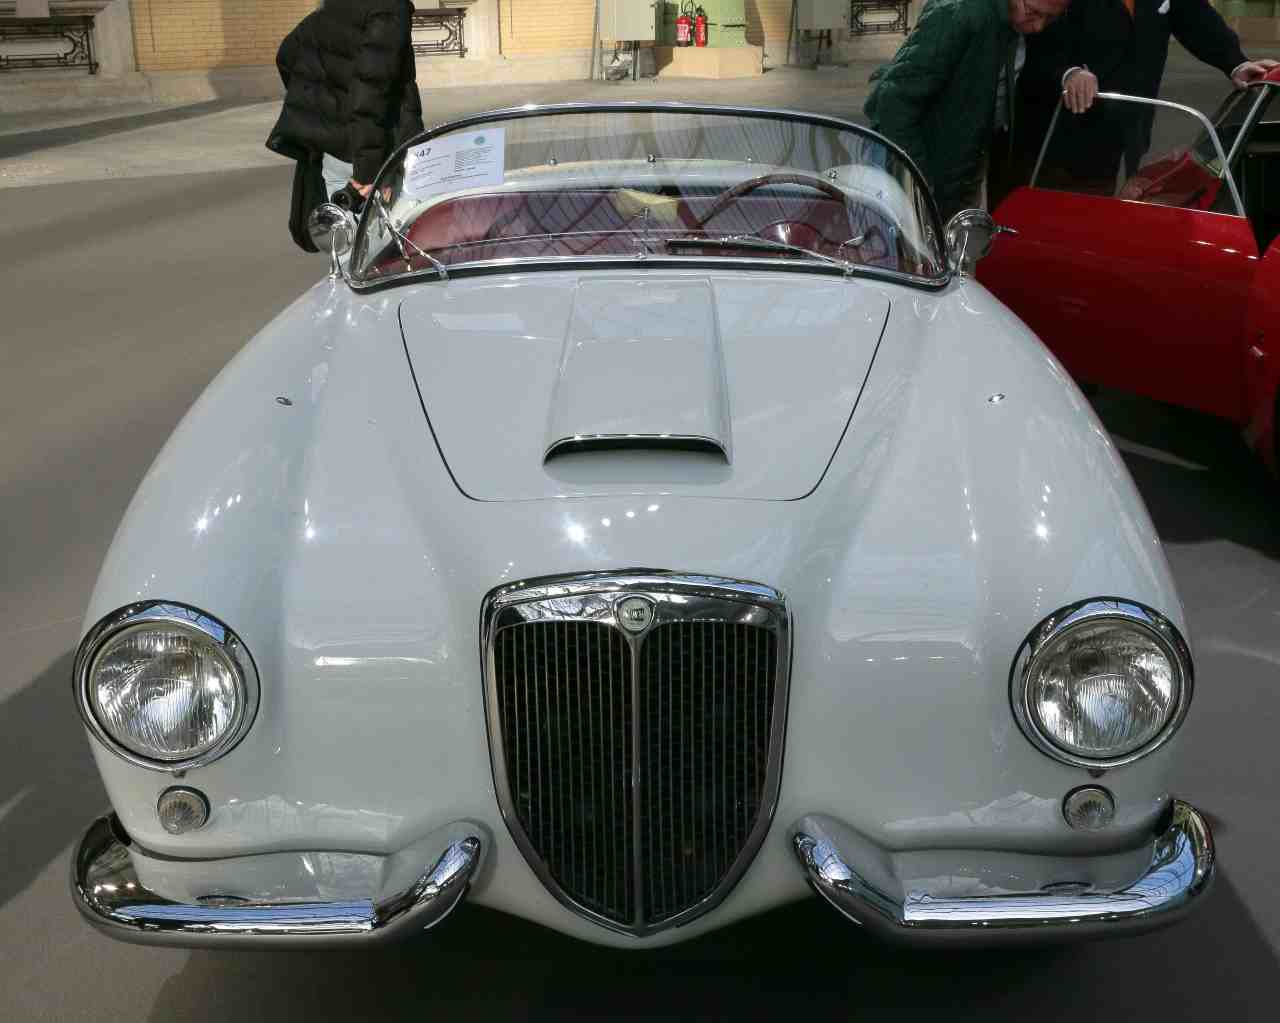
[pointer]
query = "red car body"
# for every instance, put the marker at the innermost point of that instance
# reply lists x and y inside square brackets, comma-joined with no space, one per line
[1161,294]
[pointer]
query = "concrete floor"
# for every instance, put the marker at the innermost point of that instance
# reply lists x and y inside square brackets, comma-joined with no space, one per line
[129,282]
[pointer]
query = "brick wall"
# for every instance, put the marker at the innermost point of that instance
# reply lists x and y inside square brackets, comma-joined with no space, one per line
[768,19]
[181,35]
[546,26]
[172,35]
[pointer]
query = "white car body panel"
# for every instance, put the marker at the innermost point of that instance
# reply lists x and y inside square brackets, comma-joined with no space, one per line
[330,536]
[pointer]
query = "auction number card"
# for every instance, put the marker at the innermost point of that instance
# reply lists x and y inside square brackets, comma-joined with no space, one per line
[470,159]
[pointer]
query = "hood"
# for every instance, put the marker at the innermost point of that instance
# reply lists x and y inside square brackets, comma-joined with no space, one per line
[564,385]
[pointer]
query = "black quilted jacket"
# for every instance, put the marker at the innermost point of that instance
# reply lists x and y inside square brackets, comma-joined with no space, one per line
[350,85]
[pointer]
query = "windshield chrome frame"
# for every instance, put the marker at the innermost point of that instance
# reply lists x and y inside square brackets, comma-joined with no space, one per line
[648,259]
[1167,105]
[1251,119]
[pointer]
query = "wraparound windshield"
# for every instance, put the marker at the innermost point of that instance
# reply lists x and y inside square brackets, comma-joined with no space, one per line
[662,184]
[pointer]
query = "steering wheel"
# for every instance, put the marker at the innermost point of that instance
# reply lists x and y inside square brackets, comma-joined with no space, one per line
[735,192]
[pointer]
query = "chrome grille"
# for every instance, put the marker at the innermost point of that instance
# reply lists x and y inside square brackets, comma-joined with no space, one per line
[637,766]
[564,693]
[706,693]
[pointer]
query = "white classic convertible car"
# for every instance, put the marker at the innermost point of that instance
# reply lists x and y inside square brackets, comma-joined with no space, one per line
[649,521]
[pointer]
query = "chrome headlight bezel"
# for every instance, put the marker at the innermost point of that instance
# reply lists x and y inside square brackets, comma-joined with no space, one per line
[1094,611]
[189,619]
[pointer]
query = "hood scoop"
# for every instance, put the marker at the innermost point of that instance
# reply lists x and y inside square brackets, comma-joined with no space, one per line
[637,442]
[598,383]
[642,369]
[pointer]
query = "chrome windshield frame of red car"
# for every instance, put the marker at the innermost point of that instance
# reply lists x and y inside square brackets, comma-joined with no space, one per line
[1210,129]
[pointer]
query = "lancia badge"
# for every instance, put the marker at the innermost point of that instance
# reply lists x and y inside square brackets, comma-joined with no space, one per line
[635,614]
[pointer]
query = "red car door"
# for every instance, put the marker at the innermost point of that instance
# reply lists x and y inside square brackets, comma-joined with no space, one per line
[1262,360]
[1146,289]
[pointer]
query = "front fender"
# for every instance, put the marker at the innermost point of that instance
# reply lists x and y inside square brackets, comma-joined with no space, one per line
[975,494]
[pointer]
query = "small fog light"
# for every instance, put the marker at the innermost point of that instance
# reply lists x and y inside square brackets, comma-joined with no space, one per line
[1090,808]
[182,810]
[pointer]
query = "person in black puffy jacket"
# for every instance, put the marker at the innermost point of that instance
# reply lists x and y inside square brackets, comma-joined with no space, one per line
[351,97]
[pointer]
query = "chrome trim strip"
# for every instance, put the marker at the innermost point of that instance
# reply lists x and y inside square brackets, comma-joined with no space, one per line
[542,263]
[1099,608]
[1044,146]
[1247,125]
[595,596]
[106,889]
[644,441]
[542,110]
[188,618]
[1181,871]
[1166,104]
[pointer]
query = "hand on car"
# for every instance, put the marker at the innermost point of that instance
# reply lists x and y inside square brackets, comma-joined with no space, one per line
[349,197]
[1135,188]
[1252,71]
[1080,90]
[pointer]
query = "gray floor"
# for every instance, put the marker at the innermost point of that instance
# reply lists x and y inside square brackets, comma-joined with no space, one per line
[125,287]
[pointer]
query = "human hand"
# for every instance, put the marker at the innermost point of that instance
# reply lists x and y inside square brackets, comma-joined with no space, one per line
[1135,188]
[362,189]
[349,197]
[1252,71]
[1080,90]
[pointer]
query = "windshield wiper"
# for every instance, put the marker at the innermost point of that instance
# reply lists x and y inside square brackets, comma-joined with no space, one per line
[748,241]
[402,240]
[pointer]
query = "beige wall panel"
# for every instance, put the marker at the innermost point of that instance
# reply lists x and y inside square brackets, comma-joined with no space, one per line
[181,35]
[546,26]
[767,19]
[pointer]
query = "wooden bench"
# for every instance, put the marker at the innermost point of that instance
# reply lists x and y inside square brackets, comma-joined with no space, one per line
[72,40]
[886,16]
[445,24]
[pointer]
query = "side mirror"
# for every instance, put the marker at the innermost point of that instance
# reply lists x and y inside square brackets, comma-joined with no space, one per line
[333,230]
[969,237]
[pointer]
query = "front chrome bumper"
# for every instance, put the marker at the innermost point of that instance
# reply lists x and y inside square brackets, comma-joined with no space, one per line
[372,898]
[853,876]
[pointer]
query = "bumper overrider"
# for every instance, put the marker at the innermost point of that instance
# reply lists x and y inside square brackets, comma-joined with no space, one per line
[358,899]
[857,880]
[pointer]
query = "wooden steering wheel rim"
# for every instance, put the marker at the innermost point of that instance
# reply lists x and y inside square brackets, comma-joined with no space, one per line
[751,184]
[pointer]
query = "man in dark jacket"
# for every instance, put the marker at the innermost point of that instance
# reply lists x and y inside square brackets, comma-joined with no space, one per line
[351,94]
[1114,46]
[943,95]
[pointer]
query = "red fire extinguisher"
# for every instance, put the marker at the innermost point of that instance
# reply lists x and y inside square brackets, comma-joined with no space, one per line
[700,28]
[684,24]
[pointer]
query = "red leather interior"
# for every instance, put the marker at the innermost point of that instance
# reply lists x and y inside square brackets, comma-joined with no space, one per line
[612,222]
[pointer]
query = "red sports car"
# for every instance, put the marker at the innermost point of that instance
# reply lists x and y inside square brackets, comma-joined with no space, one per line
[1168,284]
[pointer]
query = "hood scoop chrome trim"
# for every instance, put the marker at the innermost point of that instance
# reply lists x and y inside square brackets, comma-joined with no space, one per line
[637,442]
[642,369]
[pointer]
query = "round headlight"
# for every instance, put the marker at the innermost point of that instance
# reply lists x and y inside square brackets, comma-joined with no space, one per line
[1102,683]
[166,686]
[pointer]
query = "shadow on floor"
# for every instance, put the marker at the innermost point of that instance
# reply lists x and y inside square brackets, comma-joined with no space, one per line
[1198,478]
[804,958]
[47,775]
[24,142]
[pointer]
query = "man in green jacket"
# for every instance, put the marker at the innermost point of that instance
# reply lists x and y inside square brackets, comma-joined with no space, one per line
[949,89]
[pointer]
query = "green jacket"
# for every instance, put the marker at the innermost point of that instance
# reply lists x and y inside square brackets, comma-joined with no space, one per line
[937,97]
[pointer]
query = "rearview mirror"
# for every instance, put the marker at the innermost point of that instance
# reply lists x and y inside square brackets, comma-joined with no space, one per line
[969,237]
[333,230]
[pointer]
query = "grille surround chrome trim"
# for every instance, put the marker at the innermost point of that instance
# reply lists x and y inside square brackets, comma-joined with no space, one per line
[677,597]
